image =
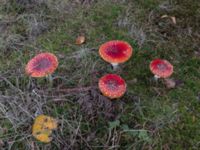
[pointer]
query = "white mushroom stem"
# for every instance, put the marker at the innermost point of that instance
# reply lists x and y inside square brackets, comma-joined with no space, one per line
[156,77]
[50,80]
[114,65]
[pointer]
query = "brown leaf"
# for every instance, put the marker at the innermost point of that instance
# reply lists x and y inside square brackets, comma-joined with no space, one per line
[170,83]
[173,19]
[80,40]
[164,16]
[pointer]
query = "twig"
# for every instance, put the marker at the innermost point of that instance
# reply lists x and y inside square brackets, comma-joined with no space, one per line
[71,90]
[78,89]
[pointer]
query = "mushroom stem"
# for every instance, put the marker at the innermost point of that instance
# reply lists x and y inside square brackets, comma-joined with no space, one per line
[156,77]
[50,80]
[29,82]
[115,66]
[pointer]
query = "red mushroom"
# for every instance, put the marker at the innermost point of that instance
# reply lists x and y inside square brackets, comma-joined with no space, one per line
[161,68]
[115,52]
[42,65]
[112,86]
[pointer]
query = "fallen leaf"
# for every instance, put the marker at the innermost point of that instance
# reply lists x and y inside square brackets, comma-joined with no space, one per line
[43,136]
[170,83]
[164,16]
[173,19]
[80,40]
[42,128]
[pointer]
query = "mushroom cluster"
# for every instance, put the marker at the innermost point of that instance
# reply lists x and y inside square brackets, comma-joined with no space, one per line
[114,52]
[112,86]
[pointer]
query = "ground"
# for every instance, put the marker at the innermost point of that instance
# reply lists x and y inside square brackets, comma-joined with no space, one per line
[148,116]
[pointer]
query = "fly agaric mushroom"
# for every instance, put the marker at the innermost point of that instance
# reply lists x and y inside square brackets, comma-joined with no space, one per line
[161,68]
[42,65]
[112,86]
[115,52]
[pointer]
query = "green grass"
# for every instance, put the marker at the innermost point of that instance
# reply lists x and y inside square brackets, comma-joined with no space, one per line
[149,116]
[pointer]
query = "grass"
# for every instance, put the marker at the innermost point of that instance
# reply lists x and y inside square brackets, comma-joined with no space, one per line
[149,116]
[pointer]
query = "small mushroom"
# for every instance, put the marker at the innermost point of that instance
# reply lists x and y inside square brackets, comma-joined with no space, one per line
[80,40]
[161,68]
[115,52]
[112,86]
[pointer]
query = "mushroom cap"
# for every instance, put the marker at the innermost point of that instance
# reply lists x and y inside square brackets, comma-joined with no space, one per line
[42,65]
[112,86]
[115,51]
[161,68]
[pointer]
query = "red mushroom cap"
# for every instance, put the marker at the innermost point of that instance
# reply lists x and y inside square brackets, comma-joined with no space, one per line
[112,86]
[115,51]
[161,68]
[42,65]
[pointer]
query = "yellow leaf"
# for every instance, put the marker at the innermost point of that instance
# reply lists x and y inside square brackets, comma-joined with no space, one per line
[80,40]
[42,137]
[42,128]
[37,127]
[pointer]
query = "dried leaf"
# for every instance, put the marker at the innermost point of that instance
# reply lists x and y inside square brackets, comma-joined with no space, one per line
[164,16]
[170,83]
[80,40]
[42,128]
[173,19]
